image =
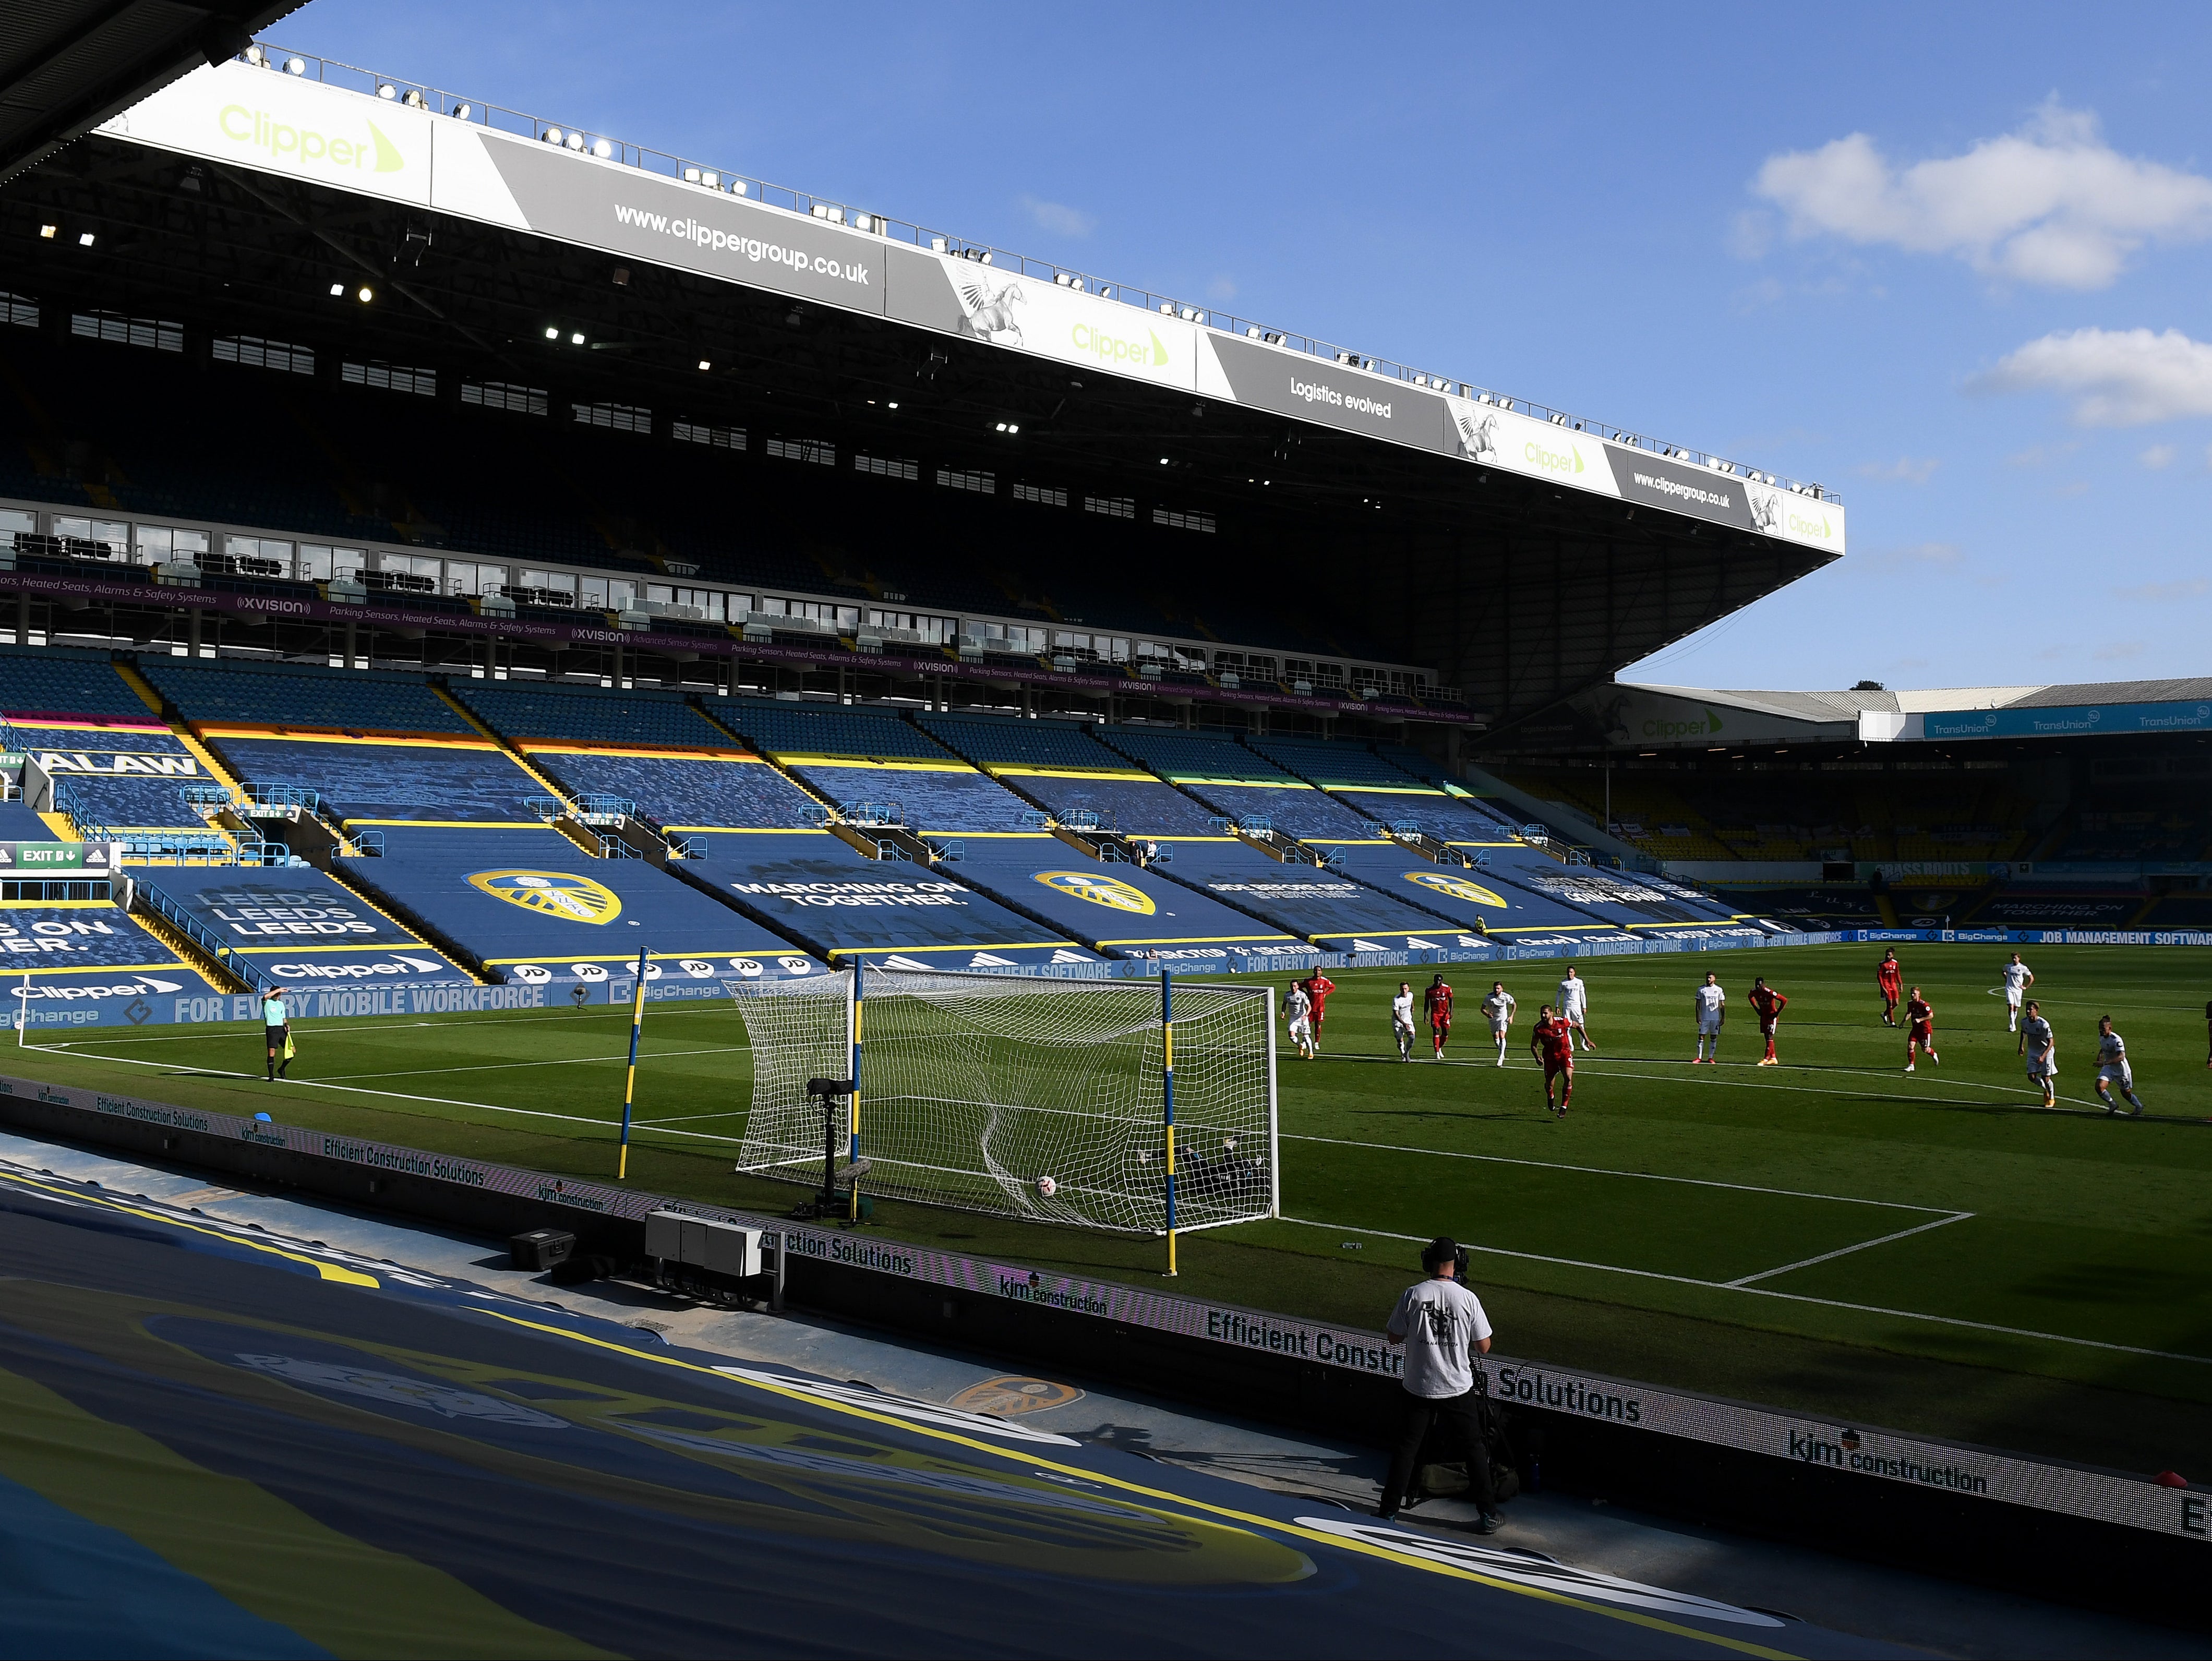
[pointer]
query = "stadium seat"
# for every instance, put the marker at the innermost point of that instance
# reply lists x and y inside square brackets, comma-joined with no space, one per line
[286,695]
[60,681]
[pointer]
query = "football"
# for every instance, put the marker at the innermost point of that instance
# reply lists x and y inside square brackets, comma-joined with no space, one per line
[1046,1188]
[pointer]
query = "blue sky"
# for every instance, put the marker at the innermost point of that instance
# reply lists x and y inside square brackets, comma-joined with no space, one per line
[1951,262]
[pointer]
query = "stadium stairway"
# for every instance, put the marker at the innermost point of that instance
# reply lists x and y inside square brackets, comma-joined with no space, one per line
[508,747]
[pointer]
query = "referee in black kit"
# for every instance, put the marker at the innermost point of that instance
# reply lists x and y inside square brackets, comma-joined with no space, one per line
[1443,1327]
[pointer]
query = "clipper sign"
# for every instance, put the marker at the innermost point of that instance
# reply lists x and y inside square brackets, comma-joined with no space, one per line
[264,119]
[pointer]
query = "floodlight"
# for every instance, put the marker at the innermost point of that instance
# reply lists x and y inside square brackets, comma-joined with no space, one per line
[1014,426]
[414,101]
[1167,308]
[84,240]
[575,141]
[576,339]
[938,245]
[256,57]
[554,135]
[712,181]
[894,404]
[1272,339]
[1252,333]
[552,334]
[603,149]
[386,91]
[463,112]
[1002,426]
[296,66]
[704,364]
[47,231]
[365,293]
[337,288]
[737,187]
[690,175]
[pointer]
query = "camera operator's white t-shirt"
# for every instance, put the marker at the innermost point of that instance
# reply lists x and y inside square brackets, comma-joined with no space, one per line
[1440,1321]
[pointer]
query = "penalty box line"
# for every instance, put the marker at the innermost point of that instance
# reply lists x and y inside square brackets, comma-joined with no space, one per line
[660,1127]
[1640,1176]
[1788,1297]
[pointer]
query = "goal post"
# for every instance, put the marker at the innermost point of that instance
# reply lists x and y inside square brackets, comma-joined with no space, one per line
[1025,1097]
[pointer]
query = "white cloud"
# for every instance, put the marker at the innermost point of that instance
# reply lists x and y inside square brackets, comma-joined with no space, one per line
[2052,204]
[1918,553]
[2120,377]
[2165,593]
[1059,218]
[1905,470]
[2118,651]
[2043,455]
[2158,456]
[1222,288]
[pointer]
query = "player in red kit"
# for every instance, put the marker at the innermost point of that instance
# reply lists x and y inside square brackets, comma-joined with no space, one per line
[1318,986]
[1437,1000]
[1890,976]
[1553,1042]
[1770,1004]
[1920,1029]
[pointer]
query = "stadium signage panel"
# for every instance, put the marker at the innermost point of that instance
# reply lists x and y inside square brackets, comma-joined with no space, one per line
[1856,1452]
[311,130]
[78,859]
[2058,721]
[250,118]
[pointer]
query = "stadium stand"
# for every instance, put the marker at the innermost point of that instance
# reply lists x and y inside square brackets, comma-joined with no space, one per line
[528,905]
[1237,783]
[1120,910]
[298,928]
[1314,904]
[246,693]
[782,729]
[1474,900]
[992,742]
[382,781]
[703,791]
[63,682]
[1132,802]
[87,950]
[522,713]
[815,888]
[123,775]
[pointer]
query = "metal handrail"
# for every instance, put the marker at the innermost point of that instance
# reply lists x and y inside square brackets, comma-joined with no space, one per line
[200,935]
[721,180]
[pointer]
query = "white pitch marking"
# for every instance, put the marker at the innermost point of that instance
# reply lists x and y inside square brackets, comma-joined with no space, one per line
[1601,1170]
[1846,1251]
[1787,1297]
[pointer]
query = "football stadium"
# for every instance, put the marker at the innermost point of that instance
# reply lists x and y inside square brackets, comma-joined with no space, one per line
[708,702]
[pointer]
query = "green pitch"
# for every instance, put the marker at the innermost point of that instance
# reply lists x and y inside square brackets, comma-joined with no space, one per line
[1936,1253]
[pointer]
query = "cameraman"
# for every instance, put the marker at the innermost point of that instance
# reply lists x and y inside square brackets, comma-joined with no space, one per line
[1442,1325]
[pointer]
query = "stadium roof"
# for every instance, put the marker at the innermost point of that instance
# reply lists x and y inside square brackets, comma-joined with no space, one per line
[70,65]
[1520,554]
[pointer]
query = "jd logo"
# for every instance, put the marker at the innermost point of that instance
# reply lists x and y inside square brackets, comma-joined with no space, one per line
[1099,890]
[551,894]
[1458,888]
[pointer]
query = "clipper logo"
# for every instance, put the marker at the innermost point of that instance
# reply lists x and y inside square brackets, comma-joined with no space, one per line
[560,894]
[1112,348]
[1099,890]
[1458,888]
[264,131]
[1553,461]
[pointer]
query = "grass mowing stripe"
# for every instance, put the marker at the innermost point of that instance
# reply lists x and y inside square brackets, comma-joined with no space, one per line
[504,1066]
[1601,1170]
[401,1096]
[1769,1291]
[1846,1251]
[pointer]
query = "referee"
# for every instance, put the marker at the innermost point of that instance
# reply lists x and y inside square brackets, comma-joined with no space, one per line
[1442,1325]
[277,1030]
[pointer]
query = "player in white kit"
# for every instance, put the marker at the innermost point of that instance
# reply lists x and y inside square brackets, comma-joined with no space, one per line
[1710,1005]
[1574,1006]
[1402,1020]
[2040,1045]
[2112,1069]
[1298,1010]
[2018,977]
[1498,1008]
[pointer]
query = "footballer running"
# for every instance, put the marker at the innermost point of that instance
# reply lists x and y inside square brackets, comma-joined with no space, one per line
[1498,1008]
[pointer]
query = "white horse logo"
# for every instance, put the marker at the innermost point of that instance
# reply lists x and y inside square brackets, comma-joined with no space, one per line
[990,315]
[1765,510]
[1481,437]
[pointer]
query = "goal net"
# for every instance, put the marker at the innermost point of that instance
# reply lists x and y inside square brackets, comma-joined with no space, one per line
[1029,1098]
